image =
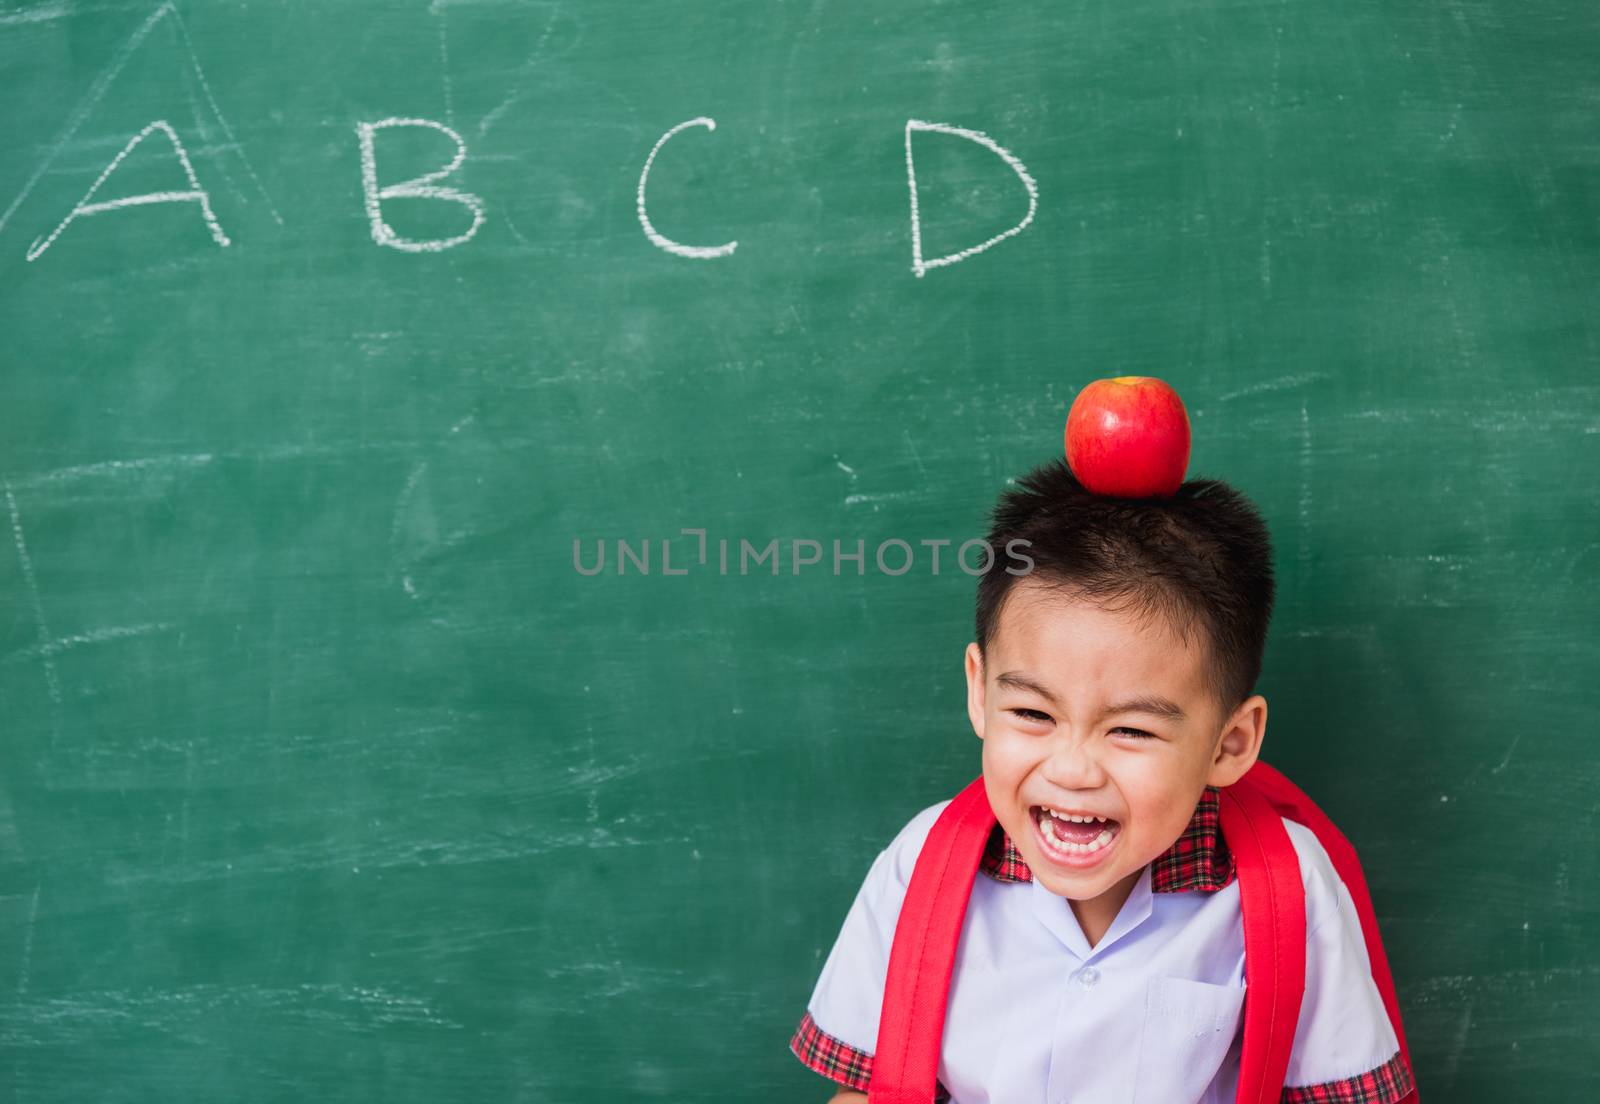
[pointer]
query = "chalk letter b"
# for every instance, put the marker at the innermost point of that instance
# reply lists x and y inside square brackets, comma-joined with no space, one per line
[422,187]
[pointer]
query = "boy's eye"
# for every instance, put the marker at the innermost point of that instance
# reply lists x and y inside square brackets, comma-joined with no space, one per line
[1044,718]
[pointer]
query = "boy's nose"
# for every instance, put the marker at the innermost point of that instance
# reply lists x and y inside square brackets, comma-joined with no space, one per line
[1072,766]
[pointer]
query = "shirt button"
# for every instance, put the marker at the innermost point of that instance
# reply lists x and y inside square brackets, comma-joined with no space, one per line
[1087,976]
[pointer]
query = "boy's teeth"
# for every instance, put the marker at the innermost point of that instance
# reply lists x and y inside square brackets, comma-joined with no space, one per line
[1052,829]
[1074,819]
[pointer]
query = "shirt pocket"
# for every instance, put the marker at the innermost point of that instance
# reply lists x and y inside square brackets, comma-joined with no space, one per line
[1188,1027]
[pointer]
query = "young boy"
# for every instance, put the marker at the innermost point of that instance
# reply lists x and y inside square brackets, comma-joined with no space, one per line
[1101,960]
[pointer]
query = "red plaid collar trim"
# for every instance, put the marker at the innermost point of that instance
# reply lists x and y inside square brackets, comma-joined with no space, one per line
[1390,1083]
[1198,860]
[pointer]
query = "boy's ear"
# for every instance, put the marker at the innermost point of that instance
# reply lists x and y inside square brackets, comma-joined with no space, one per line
[1239,742]
[975,688]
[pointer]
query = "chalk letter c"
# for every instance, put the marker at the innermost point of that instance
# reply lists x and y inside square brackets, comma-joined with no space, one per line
[650,231]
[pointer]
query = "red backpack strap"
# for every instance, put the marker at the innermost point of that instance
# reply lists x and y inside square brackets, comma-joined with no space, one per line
[905,1064]
[1292,802]
[1272,898]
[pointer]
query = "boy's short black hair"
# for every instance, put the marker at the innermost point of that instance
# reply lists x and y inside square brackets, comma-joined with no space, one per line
[1201,555]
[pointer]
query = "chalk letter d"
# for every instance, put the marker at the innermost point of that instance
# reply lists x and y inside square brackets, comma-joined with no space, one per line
[918,265]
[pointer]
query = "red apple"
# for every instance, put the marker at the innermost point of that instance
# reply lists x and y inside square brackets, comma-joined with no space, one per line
[1128,436]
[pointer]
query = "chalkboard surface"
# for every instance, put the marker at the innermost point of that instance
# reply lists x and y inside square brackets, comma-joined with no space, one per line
[330,330]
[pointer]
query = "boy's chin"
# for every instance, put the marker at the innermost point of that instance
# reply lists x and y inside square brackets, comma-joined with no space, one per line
[1084,886]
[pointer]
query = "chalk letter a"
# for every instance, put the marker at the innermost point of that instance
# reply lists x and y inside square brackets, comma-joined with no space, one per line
[918,265]
[422,187]
[195,194]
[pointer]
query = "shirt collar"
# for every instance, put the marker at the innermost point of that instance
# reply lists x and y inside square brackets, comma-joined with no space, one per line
[1198,860]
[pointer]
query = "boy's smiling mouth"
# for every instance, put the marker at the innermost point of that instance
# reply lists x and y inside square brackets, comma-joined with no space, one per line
[1080,842]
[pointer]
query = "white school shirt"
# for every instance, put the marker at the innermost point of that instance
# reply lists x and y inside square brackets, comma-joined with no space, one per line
[1152,1014]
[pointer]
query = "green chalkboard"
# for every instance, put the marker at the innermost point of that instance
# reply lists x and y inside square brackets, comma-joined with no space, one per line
[328,775]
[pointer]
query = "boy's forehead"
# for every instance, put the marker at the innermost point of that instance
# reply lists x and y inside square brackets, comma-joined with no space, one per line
[1050,630]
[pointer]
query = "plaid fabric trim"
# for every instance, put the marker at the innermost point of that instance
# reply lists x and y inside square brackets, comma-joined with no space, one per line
[1198,860]
[839,1061]
[1389,1083]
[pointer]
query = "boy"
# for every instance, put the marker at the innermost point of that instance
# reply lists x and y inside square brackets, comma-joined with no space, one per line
[1101,960]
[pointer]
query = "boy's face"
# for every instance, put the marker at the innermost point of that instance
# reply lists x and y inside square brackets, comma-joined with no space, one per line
[1043,707]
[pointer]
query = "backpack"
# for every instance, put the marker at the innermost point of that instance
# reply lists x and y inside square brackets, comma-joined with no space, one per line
[1272,899]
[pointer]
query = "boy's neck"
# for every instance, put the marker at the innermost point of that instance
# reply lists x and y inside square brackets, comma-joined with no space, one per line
[1096,915]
